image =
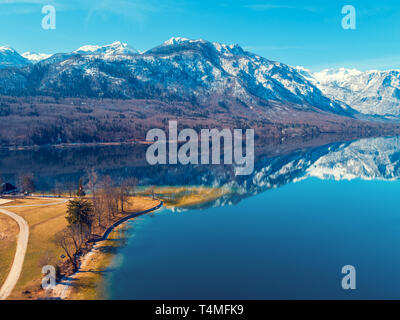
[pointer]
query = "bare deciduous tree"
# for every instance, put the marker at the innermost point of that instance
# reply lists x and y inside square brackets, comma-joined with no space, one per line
[109,197]
[70,188]
[26,183]
[126,190]
[64,241]
[58,188]
[71,240]
[92,185]
[101,209]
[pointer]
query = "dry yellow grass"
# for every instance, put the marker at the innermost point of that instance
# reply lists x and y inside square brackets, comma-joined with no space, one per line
[30,201]
[184,197]
[8,241]
[140,203]
[44,222]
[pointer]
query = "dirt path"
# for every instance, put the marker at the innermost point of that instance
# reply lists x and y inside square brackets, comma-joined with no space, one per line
[22,245]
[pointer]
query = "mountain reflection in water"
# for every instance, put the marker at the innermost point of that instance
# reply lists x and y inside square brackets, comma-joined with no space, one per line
[367,159]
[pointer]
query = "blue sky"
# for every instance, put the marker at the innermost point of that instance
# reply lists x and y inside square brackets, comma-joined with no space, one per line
[296,32]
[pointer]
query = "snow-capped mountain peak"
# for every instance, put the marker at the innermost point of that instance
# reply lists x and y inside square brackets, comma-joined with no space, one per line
[212,68]
[340,75]
[181,69]
[177,40]
[371,92]
[11,58]
[115,48]
[35,57]
[7,49]
[220,47]
[87,49]
[234,49]
[195,70]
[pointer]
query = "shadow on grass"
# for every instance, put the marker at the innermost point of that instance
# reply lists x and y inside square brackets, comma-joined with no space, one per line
[95,271]
[108,249]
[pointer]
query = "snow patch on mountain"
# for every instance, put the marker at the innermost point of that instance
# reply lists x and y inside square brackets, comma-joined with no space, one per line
[176,40]
[11,58]
[371,92]
[107,51]
[35,57]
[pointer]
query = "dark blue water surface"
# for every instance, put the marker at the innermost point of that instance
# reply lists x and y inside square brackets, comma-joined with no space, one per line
[284,243]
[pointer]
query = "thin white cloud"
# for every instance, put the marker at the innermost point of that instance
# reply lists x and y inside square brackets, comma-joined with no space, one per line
[265,7]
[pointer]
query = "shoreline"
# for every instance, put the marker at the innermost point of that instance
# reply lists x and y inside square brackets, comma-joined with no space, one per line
[332,136]
[70,145]
[96,258]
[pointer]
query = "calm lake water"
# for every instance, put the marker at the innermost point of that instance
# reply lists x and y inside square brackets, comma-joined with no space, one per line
[284,232]
[300,219]
[287,243]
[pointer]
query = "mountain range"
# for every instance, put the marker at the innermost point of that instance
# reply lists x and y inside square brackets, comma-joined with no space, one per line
[196,70]
[115,93]
[371,92]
